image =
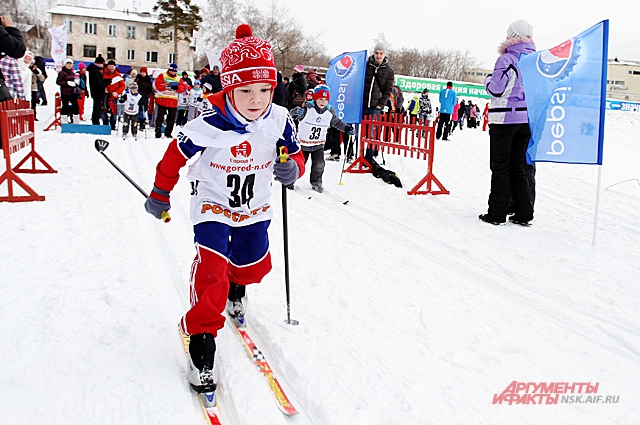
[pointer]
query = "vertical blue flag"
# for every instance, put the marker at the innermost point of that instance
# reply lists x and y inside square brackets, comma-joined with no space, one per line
[345,78]
[565,88]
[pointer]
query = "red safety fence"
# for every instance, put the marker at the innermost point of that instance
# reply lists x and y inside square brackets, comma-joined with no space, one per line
[57,117]
[398,134]
[17,131]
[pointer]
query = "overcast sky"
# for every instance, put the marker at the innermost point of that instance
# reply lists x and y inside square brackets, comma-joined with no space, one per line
[479,26]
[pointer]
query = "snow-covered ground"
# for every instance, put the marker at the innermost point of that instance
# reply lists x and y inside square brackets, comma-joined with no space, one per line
[411,310]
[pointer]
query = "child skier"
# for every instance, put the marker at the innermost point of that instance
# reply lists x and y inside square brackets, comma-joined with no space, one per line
[183,106]
[317,117]
[195,99]
[131,107]
[241,143]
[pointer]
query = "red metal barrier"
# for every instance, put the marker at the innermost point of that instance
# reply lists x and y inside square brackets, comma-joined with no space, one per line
[57,117]
[396,134]
[16,132]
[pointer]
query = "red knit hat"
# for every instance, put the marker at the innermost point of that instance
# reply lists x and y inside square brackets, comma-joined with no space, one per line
[247,60]
[321,91]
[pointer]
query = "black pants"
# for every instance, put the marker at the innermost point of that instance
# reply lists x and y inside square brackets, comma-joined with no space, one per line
[317,164]
[34,102]
[171,119]
[507,159]
[182,117]
[96,112]
[130,120]
[69,104]
[443,121]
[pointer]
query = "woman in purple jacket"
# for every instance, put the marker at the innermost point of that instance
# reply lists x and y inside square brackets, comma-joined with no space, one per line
[509,129]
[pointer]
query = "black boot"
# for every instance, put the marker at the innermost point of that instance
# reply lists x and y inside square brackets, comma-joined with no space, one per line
[202,350]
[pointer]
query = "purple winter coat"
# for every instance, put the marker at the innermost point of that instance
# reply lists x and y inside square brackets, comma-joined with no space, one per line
[508,105]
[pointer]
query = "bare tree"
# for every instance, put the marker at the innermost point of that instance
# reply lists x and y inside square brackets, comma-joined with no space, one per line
[433,63]
[290,46]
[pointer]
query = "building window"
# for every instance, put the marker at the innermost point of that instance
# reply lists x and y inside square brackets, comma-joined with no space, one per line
[152,34]
[131,55]
[69,26]
[131,32]
[151,57]
[89,51]
[90,28]
[172,58]
[170,35]
[111,30]
[111,53]
[634,72]
[69,49]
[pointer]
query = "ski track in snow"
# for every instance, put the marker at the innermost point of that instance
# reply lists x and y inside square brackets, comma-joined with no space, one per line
[411,310]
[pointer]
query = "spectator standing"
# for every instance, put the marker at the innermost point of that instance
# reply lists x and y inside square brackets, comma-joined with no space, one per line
[280,92]
[167,87]
[26,74]
[83,90]
[42,94]
[378,83]
[10,70]
[426,111]
[213,79]
[11,47]
[509,131]
[97,89]
[312,78]
[454,117]
[68,82]
[36,76]
[297,87]
[114,87]
[448,98]
[145,88]
[186,79]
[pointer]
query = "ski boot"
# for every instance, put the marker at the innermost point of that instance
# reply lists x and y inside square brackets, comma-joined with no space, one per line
[202,349]
[235,306]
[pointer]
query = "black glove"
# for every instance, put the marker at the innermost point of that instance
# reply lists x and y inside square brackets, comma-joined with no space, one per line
[122,98]
[199,99]
[157,202]
[349,129]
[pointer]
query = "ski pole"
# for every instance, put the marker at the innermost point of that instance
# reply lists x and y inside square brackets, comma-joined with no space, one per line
[283,158]
[101,145]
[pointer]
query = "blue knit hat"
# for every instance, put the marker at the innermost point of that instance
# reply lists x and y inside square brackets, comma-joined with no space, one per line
[173,67]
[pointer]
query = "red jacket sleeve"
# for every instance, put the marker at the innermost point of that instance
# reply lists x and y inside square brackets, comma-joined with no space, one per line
[159,83]
[168,169]
[298,157]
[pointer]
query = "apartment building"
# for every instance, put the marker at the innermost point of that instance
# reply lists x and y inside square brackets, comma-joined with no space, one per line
[125,36]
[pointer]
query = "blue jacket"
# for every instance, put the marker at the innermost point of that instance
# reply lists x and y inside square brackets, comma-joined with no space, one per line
[448,98]
[508,105]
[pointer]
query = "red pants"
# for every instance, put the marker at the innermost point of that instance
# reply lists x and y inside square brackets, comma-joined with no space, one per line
[241,255]
[81,107]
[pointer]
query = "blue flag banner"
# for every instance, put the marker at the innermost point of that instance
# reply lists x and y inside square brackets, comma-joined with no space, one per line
[565,88]
[345,78]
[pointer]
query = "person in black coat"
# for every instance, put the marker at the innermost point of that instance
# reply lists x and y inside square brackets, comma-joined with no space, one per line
[96,89]
[145,88]
[11,42]
[214,79]
[42,94]
[280,92]
[297,87]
